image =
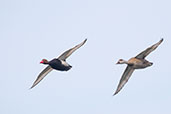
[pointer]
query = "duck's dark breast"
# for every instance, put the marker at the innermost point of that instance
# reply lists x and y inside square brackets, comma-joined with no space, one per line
[57,64]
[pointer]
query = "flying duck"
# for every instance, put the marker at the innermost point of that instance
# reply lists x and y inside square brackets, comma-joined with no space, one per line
[138,62]
[57,63]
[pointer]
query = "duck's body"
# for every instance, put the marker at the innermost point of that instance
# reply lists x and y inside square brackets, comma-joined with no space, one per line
[138,62]
[57,63]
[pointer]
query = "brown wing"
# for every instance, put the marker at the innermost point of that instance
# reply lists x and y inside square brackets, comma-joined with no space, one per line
[146,52]
[67,53]
[42,75]
[126,75]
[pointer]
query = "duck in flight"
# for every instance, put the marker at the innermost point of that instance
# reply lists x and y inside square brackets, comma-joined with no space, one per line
[57,63]
[138,62]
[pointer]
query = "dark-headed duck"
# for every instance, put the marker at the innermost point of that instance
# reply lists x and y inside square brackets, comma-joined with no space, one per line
[57,63]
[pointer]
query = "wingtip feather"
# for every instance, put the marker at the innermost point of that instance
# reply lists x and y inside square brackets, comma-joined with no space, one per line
[31,86]
[85,40]
[161,40]
[115,93]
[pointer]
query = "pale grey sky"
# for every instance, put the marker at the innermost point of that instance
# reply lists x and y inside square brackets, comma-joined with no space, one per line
[31,30]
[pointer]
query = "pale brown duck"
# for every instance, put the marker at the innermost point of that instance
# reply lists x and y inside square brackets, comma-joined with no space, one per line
[138,62]
[57,63]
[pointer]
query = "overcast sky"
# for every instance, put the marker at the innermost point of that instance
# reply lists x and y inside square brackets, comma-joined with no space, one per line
[31,30]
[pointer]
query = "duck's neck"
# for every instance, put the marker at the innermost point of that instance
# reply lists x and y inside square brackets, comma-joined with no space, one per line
[125,62]
[46,63]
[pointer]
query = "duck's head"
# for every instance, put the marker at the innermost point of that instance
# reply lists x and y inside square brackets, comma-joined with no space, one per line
[44,61]
[121,61]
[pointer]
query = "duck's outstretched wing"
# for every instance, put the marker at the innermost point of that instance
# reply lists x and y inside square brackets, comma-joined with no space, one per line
[67,53]
[146,52]
[126,75]
[42,75]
